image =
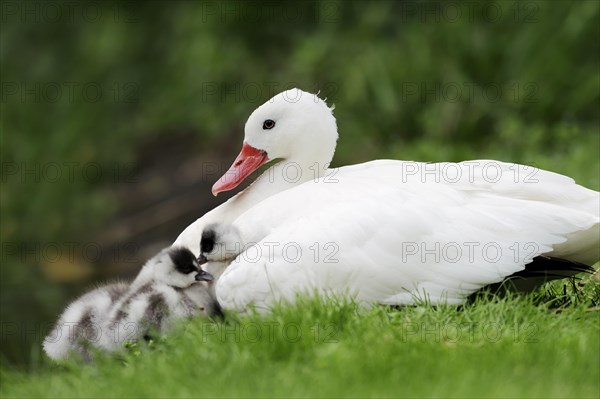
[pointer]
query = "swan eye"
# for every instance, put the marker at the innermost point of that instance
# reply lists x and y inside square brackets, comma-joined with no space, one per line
[268,124]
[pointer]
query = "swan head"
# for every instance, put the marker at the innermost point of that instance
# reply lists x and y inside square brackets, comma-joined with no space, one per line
[177,267]
[293,126]
[221,242]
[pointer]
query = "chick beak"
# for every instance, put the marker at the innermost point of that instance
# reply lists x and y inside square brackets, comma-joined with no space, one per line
[202,259]
[204,276]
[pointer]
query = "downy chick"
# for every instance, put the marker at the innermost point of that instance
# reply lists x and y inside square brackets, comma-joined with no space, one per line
[171,286]
[221,243]
[80,324]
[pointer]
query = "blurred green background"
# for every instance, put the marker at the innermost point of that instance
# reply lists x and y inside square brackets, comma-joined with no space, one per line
[116,118]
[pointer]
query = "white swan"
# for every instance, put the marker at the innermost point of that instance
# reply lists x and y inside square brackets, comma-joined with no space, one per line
[385,231]
[306,157]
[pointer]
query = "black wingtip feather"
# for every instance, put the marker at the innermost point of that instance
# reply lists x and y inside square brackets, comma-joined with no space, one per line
[539,271]
[547,265]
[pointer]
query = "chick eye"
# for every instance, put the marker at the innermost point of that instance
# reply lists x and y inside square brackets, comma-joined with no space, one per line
[268,124]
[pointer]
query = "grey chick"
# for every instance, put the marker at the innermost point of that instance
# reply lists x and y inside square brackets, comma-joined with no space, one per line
[170,287]
[220,244]
[80,323]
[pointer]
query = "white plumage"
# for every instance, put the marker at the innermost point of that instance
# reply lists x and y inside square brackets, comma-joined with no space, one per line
[385,231]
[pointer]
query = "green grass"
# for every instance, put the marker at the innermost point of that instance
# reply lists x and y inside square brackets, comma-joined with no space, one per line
[363,60]
[183,84]
[546,345]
